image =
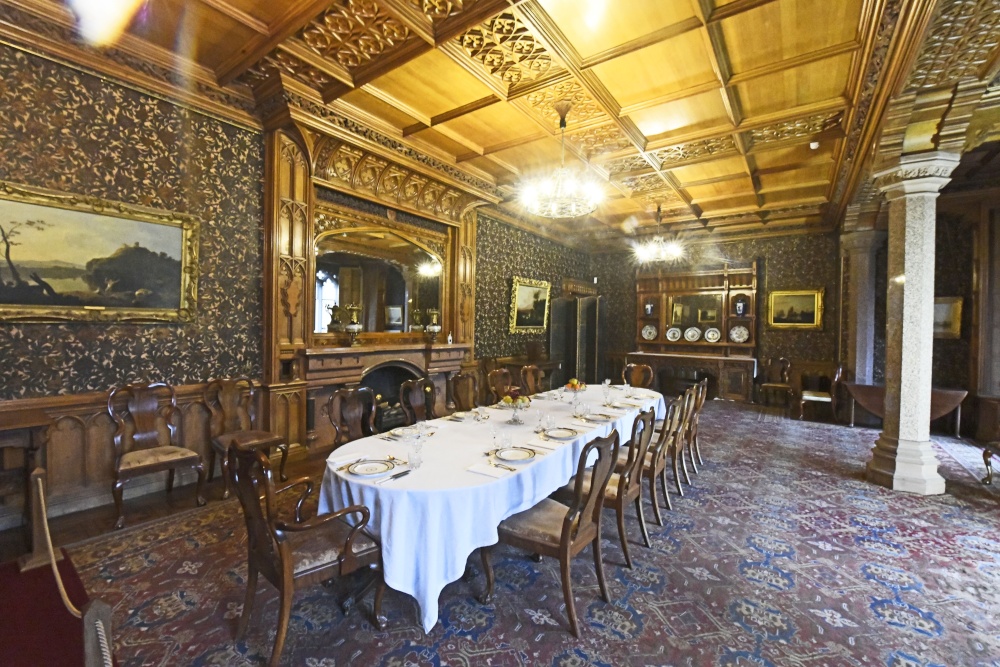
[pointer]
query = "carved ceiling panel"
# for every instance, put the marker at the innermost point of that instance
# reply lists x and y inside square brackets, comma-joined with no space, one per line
[353,32]
[695,150]
[643,183]
[438,10]
[584,109]
[279,61]
[961,40]
[356,170]
[506,49]
[627,163]
[599,140]
[800,128]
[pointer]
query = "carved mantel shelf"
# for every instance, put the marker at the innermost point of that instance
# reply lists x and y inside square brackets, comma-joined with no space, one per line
[347,365]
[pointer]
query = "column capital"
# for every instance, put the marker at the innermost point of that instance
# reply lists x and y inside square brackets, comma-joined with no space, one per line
[923,173]
[862,241]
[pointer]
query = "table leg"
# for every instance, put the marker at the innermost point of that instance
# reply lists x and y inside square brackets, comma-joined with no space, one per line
[851,423]
[987,455]
[958,421]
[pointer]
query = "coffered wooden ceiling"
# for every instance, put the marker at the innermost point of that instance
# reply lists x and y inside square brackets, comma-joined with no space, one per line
[706,108]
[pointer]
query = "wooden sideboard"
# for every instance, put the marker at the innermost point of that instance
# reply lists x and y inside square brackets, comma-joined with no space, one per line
[728,377]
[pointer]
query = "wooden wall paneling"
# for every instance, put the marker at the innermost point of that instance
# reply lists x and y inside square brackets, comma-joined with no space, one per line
[288,282]
[462,320]
[78,450]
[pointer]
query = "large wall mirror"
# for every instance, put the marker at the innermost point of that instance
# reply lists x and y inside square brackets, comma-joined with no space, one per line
[396,282]
[689,310]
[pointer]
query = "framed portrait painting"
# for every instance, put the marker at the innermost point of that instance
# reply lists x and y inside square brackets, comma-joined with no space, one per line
[529,305]
[71,258]
[802,309]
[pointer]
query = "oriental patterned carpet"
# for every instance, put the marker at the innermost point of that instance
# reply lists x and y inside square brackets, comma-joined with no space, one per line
[779,554]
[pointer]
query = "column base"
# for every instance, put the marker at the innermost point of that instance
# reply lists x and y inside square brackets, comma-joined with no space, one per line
[905,465]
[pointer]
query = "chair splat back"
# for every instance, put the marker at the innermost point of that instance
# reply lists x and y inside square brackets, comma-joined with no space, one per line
[231,405]
[465,391]
[153,426]
[531,379]
[352,413]
[588,499]
[253,485]
[417,398]
[638,375]
[642,434]
[499,383]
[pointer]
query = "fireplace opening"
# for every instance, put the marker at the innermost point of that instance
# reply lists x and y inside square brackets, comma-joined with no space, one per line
[385,380]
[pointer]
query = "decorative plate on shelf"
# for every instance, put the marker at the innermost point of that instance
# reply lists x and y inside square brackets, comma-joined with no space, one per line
[649,332]
[739,334]
[674,334]
[692,334]
[712,335]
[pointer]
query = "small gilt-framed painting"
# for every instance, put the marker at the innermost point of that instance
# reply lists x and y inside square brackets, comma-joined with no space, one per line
[948,317]
[708,316]
[529,305]
[801,309]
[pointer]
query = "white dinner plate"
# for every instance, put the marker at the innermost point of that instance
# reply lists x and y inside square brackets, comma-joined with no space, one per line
[368,468]
[599,417]
[561,433]
[514,454]
[459,415]
[404,431]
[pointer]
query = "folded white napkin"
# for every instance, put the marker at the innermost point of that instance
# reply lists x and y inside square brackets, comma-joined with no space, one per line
[338,460]
[586,425]
[488,470]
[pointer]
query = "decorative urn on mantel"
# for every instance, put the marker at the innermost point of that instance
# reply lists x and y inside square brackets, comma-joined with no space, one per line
[433,328]
[354,327]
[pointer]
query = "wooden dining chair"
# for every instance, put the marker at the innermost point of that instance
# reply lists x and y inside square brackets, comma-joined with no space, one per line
[146,439]
[465,391]
[352,413]
[691,436]
[531,380]
[774,381]
[655,465]
[498,382]
[553,529]
[638,375]
[677,444]
[417,398]
[625,486]
[819,396]
[298,553]
[231,405]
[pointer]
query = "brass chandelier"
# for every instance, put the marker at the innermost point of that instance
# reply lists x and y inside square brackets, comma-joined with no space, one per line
[564,193]
[659,248]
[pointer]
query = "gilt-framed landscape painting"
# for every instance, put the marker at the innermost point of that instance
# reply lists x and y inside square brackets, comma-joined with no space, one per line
[72,258]
[801,309]
[948,317]
[529,305]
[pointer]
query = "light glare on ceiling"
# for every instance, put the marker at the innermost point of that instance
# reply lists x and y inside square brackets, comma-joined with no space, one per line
[101,22]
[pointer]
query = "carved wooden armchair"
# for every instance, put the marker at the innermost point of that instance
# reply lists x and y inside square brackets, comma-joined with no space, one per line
[146,439]
[531,380]
[465,391]
[499,383]
[638,375]
[687,403]
[551,528]
[625,486]
[690,441]
[774,380]
[655,464]
[417,398]
[352,413]
[295,554]
[232,406]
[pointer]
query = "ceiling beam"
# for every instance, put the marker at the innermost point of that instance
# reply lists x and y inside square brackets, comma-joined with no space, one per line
[639,43]
[794,61]
[299,50]
[293,20]
[452,114]
[237,15]
[733,8]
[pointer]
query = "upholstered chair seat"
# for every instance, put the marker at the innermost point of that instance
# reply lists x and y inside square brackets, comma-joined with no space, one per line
[541,523]
[158,455]
[320,547]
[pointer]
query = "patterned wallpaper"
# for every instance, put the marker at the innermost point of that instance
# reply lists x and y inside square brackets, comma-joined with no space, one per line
[503,252]
[616,283]
[73,132]
[783,263]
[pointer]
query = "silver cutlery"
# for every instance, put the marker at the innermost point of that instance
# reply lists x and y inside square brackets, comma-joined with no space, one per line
[500,465]
[348,465]
[396,476]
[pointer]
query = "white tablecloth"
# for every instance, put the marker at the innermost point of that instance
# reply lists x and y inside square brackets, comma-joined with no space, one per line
[431,520]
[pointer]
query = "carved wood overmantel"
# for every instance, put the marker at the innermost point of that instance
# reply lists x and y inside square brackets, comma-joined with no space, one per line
[306,151]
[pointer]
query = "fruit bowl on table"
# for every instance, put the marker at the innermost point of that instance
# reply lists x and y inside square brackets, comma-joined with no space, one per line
[511,402]
[573,386]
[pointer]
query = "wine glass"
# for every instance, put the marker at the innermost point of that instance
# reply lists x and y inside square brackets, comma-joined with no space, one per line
[607,392]
[416,453]
[540,427]
[550,422]
[629,391]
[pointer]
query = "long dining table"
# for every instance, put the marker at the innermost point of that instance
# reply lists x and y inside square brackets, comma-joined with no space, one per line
[431,520]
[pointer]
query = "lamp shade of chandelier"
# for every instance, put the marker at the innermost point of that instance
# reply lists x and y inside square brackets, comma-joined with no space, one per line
[564,193]
[659,249]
